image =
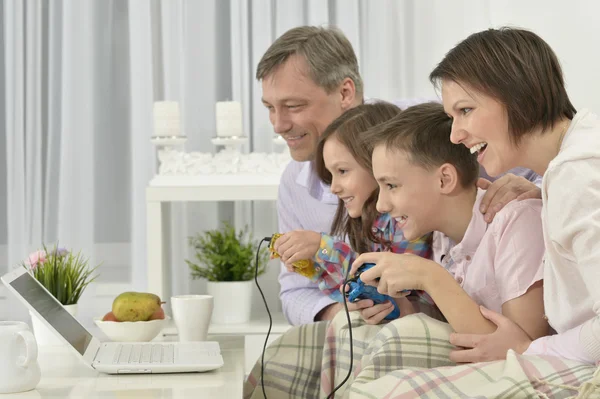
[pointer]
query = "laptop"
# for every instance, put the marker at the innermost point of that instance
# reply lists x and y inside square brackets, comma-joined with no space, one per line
[111,357]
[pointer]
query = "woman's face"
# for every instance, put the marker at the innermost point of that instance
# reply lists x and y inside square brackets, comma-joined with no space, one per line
[481,124]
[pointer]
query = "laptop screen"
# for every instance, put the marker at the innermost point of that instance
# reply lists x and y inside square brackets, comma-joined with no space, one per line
[51,310]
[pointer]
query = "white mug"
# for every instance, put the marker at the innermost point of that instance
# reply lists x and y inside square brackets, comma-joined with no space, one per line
[192,314]
[19,369]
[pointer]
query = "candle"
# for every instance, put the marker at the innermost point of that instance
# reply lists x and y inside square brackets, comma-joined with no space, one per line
[166,118]
[229,119]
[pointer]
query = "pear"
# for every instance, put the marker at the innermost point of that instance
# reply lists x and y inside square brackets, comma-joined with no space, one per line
[135,306]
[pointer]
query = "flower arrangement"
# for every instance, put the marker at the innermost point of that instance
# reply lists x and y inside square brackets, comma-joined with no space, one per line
[64,274]
[226,255]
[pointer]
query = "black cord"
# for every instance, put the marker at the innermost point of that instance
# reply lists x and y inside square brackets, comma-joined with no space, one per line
[262,358]
[332,394]
[262,361]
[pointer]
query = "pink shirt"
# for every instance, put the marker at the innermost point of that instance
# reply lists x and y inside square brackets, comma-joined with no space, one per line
[496,262]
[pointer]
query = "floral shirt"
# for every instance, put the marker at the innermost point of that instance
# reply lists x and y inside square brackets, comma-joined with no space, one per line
[335,256]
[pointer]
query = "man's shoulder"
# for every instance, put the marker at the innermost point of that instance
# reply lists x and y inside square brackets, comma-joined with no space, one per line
[292,170]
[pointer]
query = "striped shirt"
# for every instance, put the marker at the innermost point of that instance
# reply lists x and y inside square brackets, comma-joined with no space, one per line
[336,256]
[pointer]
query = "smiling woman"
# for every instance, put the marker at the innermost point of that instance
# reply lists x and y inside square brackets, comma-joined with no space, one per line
[505,91]
[512,83]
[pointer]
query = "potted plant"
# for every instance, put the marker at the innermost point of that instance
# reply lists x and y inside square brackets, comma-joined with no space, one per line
[226,259]
[65,275]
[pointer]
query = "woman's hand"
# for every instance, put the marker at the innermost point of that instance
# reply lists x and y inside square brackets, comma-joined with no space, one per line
[394,273]
[488,347]
[297,245]
[504,190]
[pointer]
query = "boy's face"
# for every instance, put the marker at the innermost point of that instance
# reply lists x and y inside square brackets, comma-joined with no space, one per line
[299,109]
[352,183]
[409,193]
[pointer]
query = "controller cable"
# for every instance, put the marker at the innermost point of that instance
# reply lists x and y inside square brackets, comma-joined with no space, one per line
[332,394]
[262,361]
[262,357]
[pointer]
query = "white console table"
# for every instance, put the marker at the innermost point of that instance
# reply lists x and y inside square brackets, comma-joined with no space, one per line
[165,189]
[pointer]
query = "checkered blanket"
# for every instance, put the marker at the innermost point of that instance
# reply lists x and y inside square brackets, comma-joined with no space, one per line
[405,358]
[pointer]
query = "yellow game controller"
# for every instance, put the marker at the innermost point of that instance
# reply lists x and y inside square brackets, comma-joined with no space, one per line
[305,267]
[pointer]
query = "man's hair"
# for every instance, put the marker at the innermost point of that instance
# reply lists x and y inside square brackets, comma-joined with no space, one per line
[422,132]
[327,51]
[517,68]
[349,129]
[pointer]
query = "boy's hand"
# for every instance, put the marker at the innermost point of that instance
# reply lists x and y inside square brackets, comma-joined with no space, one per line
[297,245]
[394,273]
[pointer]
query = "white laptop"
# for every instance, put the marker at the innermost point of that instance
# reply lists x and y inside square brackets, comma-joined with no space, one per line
[111,357]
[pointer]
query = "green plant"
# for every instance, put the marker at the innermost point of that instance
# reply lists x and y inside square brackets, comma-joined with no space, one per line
[64,274]
[226,255]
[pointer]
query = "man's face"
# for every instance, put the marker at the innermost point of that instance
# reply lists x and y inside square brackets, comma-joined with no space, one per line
[299,110]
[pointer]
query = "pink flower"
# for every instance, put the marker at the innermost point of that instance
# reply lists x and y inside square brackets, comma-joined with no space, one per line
[36,258]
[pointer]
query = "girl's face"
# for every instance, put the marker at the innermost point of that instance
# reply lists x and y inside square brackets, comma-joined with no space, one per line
[481,124]
[408,192]
[352,183]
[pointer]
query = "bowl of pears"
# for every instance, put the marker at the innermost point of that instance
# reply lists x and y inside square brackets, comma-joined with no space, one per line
[135,317]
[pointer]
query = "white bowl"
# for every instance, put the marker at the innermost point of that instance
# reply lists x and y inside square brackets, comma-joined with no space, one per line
[131,331]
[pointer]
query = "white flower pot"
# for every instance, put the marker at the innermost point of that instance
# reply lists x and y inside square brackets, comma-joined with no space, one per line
[45,336]
[232,301]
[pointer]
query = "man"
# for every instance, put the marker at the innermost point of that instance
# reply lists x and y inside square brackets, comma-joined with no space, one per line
[310,77]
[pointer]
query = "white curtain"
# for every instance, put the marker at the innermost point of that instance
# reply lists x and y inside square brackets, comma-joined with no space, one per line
[79,78]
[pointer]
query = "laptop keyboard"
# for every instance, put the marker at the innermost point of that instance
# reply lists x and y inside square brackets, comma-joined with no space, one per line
[143,353]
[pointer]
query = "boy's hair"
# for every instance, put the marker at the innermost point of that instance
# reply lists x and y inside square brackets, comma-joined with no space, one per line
[517,68]
[348,129]
[423,133]
[327,51]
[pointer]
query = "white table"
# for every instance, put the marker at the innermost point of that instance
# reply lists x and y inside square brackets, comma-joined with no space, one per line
[253,333]
[64,375]
[165,189]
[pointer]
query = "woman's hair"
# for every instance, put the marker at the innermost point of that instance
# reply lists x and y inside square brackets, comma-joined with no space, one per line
[517,68]
[348,129]
[423,133]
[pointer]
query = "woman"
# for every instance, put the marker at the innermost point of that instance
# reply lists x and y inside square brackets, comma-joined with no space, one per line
[505,92]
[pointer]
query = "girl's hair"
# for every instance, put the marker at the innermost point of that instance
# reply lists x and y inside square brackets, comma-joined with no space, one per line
[348,129]
[423,133]
[517,68]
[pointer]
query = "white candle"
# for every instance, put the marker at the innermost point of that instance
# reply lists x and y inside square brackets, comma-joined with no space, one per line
[166,119]
[229,119]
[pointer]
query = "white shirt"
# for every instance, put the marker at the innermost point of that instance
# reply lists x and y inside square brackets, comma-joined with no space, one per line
[571,224]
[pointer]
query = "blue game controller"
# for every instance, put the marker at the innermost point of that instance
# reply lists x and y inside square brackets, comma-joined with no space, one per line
[359,290]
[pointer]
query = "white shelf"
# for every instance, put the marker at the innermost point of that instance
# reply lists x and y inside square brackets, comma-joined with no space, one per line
[257,326]
[239,187]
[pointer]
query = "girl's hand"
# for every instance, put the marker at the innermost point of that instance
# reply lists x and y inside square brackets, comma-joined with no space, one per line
[394,273]
[371,313]
[297,245]
[377,313]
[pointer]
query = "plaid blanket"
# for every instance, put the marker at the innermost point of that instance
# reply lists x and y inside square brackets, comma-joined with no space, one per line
[405,358]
